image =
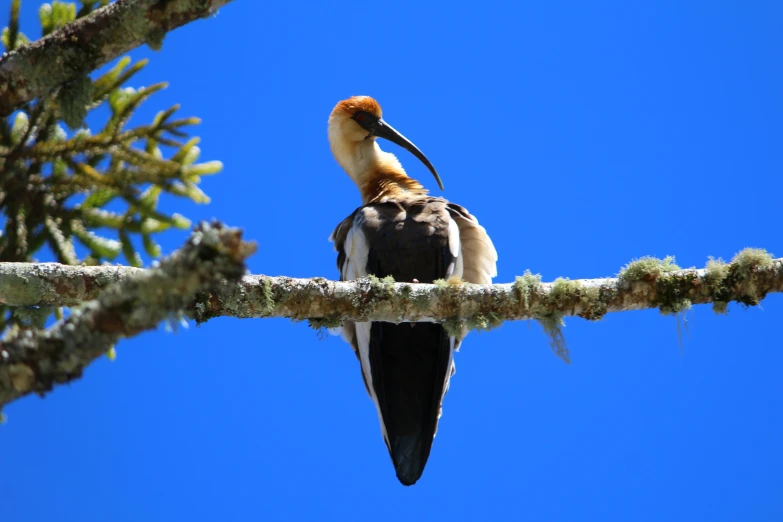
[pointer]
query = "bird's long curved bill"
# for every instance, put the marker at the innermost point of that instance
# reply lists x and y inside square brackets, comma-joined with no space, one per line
[384,130]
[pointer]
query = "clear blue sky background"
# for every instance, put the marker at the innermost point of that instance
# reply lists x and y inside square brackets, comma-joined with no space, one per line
[582,134]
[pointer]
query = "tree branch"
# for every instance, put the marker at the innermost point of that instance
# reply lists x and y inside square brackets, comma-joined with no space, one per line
[204,280]
[647,283]
[34,361]
[90,42]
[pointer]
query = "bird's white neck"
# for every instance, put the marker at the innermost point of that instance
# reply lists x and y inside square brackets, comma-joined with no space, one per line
[365,162]
[363,158]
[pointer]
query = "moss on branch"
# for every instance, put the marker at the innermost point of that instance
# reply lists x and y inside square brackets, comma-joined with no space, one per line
[76,43]
[750,276]
[36,361]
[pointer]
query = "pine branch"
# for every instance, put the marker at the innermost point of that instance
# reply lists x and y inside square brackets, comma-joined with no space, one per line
[644,284]
[86,44]
[34,361]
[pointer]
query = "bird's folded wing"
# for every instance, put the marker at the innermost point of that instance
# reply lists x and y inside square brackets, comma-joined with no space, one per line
[478,252]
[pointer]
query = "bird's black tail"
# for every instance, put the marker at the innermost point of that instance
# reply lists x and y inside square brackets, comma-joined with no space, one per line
[409,363]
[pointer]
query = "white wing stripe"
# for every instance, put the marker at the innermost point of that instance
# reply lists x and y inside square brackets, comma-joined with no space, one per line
[355,267]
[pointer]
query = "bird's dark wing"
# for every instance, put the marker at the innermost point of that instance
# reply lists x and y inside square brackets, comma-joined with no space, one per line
[406,367]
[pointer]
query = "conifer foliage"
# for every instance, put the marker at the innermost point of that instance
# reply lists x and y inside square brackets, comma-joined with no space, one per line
[77,179]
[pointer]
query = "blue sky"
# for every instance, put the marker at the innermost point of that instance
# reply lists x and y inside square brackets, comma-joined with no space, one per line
[582,135]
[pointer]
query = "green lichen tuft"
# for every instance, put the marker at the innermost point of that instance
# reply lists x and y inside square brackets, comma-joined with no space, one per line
[673,294]
[451,291]
[675,307]
[720,307]
[373,290]
[545,312]
[593,306]
[74,97]
[441,284]
[647,269]
[716,270]
[406,291]
[747,260]
[483,322]
[381,287]
[267,298]
[563,290]
[743,265]
[524,287]
[670,297]
[454,327]
[155,38]
[553,324]
[716,274]
[319,323]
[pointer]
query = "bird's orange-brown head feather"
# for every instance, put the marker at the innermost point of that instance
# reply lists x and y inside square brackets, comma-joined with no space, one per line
[353,126]
[355,104]
[343,126]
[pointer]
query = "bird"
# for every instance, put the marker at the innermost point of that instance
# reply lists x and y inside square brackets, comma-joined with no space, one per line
[403,232]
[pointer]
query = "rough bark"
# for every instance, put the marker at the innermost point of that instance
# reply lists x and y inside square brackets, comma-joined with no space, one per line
[52,284]
[90,42]
[34,361]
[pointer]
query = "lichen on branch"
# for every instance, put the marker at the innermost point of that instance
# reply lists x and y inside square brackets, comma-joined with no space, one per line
[35,361]
[643,284]
[77,42]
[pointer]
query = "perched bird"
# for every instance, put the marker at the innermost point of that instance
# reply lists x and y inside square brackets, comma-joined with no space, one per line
[402,232]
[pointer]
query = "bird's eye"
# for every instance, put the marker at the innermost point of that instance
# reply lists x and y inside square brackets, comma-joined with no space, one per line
[359,117]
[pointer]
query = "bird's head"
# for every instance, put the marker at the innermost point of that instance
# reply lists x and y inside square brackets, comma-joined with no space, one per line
[357,121]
